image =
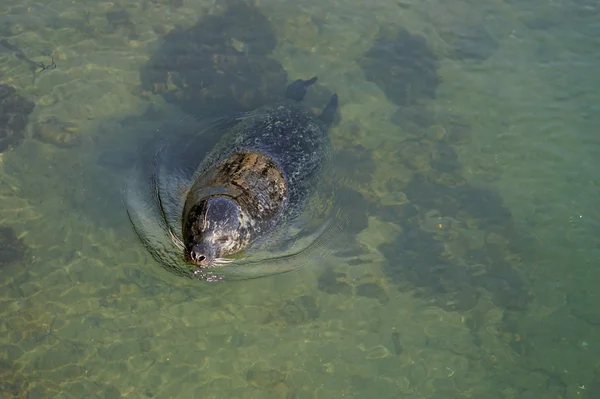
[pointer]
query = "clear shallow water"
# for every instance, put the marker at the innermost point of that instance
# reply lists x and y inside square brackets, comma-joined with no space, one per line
[90,314]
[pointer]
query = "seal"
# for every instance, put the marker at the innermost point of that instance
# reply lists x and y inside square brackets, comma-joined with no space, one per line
[274,155]
[258,177]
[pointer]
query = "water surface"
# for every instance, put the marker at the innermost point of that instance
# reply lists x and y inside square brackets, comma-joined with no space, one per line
[473,221]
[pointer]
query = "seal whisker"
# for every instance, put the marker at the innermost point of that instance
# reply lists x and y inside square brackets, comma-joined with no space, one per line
[222,261]
[205,223]
[176,241]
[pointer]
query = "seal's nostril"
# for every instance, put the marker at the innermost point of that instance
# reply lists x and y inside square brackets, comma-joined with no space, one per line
[197,257]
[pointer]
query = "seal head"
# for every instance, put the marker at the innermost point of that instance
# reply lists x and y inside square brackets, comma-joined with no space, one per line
[215,231]
[230,206]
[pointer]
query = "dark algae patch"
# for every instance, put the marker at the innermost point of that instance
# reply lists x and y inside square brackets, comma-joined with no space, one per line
[12,384]
[333,282]
[402,65]
[457,245]
[12,249]
[373,291]
[223,63]
[14,116]
[120,21]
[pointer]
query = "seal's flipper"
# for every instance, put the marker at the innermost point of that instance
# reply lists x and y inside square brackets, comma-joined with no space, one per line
[297,89]
[329,111]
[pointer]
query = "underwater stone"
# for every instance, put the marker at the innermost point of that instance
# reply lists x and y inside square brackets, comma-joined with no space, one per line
[58,133]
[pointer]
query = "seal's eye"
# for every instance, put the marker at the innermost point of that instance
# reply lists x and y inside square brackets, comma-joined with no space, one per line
[223,239]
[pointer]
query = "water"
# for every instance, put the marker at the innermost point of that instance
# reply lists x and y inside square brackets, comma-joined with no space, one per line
[474,221]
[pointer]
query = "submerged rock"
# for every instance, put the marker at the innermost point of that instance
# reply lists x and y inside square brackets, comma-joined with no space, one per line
[58,133]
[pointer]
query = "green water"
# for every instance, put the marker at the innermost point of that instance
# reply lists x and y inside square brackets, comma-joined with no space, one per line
[89,314]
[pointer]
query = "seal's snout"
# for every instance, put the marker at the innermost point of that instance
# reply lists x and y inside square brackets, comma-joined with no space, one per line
[201,256]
